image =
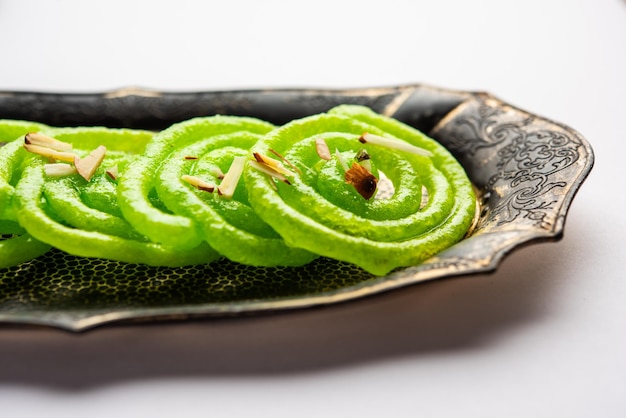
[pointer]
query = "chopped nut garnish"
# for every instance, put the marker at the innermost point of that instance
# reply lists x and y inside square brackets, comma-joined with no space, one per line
[322,149]
[217,172]
[87,166]
[59,169]
[231,179]
[286,161]
[199,183]
[265,169]
[362,155]
[341,160]
[36,138]
[50,153]
[112,172]
[363,181]
[364,159]
[425,197]
[273,164]
[393,143]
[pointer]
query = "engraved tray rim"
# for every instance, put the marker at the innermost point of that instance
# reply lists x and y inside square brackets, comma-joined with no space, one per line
[479,124]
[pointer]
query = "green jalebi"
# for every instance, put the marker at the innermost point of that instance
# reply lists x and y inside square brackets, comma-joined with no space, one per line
[240,188]
[53,211]
[203,148]
[322,213]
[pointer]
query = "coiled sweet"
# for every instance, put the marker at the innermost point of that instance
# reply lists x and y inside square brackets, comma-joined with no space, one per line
[203,149]
[322,211]
[80,215]
[16,245]
[348,184]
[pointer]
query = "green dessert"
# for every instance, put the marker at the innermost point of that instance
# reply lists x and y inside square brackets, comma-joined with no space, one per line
[321,210]
[348,184]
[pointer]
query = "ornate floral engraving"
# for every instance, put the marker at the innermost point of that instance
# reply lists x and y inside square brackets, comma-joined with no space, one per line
[530,165]
[528,160]
[486,130]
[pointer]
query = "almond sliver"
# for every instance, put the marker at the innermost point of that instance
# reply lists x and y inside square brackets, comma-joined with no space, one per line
[50,153]
[267,170]
[37,138]
[199,183]
[322,149]
[113,172]
[274,164]
[59,169]
[393,143]
[231,179]
[87,166]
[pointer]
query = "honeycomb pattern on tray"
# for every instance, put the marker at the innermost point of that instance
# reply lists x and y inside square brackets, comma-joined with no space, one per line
[57,280]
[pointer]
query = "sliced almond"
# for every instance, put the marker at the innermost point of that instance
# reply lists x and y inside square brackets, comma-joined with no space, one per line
[363,181]
[322,149]
[265,169]
[199,183]
[87,166]
[217,172]
[286,161]
[50,153]
[342,161]
[425,197]
[273,164]
[113,172]
[59,169]
[393,143]
[37,138]
[231,179]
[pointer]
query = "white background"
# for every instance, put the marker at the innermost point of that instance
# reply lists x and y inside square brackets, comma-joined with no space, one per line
[545,336]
